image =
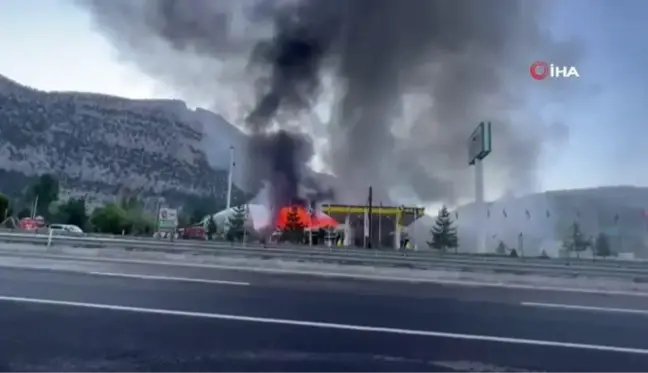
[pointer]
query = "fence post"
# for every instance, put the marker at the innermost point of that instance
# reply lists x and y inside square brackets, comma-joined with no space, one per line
[49,237]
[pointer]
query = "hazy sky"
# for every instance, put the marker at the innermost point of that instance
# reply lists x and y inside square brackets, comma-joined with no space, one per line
[50,45]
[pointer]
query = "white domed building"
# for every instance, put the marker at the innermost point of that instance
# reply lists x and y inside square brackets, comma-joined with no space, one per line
[258,216]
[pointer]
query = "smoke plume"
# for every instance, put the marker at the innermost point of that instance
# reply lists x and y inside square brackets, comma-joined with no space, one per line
[408,81]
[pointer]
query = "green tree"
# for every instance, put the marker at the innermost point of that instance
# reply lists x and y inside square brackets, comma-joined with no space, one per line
[110,218]
[236,224]
[4,207]
[130,203]
[602,245]
[127,216]
[576,240]
[43,193]
[444,234]
[294,229]
[138,221]
[72,212]
[501,248]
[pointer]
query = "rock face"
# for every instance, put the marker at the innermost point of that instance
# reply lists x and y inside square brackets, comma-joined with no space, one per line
[98,145]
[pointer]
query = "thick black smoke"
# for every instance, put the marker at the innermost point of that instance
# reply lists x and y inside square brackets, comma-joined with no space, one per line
[407,83]
[294,57]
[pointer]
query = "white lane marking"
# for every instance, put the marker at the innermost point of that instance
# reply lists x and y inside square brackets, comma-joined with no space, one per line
[342,275]
[576,307]
[326,325]
[168,278]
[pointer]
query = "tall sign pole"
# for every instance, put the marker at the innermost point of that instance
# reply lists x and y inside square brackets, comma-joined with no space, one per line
[369,233]
[479,146]
[380,214]
[230,178]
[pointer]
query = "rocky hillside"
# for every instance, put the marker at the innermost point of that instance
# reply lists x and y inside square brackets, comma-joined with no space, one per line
[97,145]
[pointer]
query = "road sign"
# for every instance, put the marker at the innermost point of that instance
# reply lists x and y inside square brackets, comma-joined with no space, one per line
[480,143]
[168,219]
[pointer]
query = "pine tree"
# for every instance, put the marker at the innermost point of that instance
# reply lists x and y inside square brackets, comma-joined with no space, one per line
[602,245]
[576,241]
[294,229]
[444,234]
[501,248]
[236,224]
[72,212]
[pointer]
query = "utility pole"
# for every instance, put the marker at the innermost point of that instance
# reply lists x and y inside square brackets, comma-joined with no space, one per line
[229,178]
[35,207]
[369,215]
[380,215]
[311,212]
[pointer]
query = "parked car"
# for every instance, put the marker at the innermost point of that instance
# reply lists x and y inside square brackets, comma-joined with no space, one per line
[66,229]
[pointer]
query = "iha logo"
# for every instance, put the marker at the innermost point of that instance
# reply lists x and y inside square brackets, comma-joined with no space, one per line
[541,70]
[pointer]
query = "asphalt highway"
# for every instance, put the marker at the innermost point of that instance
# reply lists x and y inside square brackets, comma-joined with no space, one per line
[100,316]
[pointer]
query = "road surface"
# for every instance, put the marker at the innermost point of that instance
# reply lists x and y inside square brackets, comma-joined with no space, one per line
[101,316]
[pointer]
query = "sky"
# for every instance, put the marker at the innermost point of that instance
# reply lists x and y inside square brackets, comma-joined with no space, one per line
[51,45]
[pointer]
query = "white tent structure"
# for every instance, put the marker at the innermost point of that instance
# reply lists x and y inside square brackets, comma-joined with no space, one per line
[258,216]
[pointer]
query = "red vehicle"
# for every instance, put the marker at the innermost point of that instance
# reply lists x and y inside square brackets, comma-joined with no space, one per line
[195,232]
[29,224]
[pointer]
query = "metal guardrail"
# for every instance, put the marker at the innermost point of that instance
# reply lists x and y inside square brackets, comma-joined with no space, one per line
[425,252]
[409,259]
[96,239]
[386,251]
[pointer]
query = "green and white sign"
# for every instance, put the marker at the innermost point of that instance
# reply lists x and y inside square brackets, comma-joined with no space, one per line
[480,143]
[167,219]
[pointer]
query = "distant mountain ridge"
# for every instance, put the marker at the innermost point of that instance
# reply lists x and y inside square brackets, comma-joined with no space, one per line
[99,144]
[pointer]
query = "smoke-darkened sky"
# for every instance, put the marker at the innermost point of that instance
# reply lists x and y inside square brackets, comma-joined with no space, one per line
[460,83]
